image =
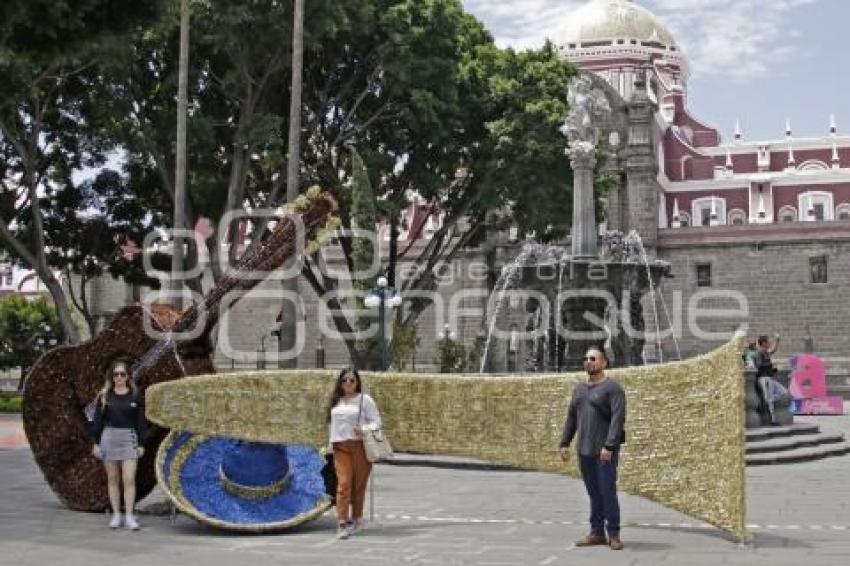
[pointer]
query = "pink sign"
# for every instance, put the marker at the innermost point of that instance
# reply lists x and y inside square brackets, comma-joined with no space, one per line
[808,377]
[818,406]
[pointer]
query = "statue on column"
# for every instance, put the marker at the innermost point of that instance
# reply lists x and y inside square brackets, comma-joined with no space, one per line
[588,105]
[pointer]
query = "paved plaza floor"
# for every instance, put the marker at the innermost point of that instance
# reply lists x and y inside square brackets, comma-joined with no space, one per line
[798,514]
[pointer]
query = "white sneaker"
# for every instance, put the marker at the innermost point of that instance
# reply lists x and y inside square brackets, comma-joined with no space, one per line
[342,531]
[356,525]
[115,523]
[132,524]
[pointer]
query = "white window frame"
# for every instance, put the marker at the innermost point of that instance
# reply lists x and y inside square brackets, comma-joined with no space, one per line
[685,219]
[697,206]
[804,200]
[841,208]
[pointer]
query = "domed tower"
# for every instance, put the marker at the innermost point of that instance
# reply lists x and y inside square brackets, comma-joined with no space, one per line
[620,40]
[636,54]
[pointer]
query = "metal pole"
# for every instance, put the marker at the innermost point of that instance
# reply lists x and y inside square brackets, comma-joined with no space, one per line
[372,496]
[382,293]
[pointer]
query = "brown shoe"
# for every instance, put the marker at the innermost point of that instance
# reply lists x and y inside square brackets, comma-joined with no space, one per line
[592,540]
[615,543]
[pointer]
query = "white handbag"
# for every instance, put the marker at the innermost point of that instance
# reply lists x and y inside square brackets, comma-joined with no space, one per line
[375,442]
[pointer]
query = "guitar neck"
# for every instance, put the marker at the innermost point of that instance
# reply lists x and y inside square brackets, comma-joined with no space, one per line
[272,252]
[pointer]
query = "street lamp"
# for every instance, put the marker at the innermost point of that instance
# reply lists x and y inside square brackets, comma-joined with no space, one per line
[47,337]
[261,353]
[382,297]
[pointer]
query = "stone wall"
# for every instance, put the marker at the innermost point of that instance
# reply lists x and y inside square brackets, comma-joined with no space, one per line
[774,279]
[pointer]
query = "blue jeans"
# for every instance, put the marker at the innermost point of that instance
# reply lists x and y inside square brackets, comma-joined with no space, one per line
[600,479]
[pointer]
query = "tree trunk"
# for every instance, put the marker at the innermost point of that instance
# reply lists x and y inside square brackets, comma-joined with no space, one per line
[63,311]
[175,285]
[289,312]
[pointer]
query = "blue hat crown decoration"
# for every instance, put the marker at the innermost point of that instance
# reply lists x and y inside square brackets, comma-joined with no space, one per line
[255,470]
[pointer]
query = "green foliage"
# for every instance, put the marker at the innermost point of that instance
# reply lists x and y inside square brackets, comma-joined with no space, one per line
[404,345]
[521,161]
[364,216]
[11,403]
[26,329]
[453,356]
[417,86]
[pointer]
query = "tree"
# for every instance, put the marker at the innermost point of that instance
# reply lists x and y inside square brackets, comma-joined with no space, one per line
[434,107]
[418,87]
[288,313]
[46,48]
[28,328]
[87,225]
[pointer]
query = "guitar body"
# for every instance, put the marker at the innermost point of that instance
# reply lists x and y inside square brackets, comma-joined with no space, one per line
[65,379]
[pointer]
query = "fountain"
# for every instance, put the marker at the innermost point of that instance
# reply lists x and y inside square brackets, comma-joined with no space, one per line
[589,293]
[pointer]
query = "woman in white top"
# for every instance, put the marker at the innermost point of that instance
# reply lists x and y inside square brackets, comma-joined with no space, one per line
[350,413]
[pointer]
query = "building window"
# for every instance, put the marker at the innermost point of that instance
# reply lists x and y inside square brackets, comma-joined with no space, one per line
[684,219]
[818,268]
[737,217]
[704,275]
[813,165]
[687,165]
[8,278]
[842,211]
[787,214]
[708,210]
[815,205]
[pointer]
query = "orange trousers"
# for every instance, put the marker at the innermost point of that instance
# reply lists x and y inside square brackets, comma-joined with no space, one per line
[352,477]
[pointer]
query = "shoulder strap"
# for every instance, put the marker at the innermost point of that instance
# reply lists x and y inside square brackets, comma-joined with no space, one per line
[360,411]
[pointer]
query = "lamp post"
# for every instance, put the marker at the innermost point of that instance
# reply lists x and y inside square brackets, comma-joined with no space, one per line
[47,339]
[382,297]
[447,333]
[261,353]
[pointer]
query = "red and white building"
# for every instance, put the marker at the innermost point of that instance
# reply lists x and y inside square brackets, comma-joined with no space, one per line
[706,180]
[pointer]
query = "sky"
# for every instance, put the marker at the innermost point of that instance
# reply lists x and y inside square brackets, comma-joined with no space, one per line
[761,61]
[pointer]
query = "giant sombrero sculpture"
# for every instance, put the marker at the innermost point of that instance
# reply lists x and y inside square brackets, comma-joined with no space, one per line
[685,422]
[239,485]
[65,379]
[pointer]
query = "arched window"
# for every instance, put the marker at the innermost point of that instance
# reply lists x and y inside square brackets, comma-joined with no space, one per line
[787,214]
[684,219]
[737,217]
[813,165]
[842,211]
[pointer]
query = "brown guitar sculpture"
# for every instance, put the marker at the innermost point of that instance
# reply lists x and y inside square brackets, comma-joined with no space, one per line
[64,380]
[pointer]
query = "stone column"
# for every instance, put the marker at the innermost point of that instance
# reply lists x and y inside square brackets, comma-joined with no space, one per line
[642,190]
[583,161]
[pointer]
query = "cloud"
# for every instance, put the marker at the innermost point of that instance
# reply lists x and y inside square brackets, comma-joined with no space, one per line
[522,23]
[740,39]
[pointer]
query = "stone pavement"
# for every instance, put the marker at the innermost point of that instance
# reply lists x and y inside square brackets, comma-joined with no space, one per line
[799,513]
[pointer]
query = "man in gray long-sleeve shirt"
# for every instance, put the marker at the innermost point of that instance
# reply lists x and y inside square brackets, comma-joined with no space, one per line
[597,412]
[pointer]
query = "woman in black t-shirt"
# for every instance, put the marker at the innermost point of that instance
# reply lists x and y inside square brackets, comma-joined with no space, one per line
[119,427]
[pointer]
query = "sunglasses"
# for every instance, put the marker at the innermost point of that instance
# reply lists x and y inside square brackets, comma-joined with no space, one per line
[590,359]
[119,374]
